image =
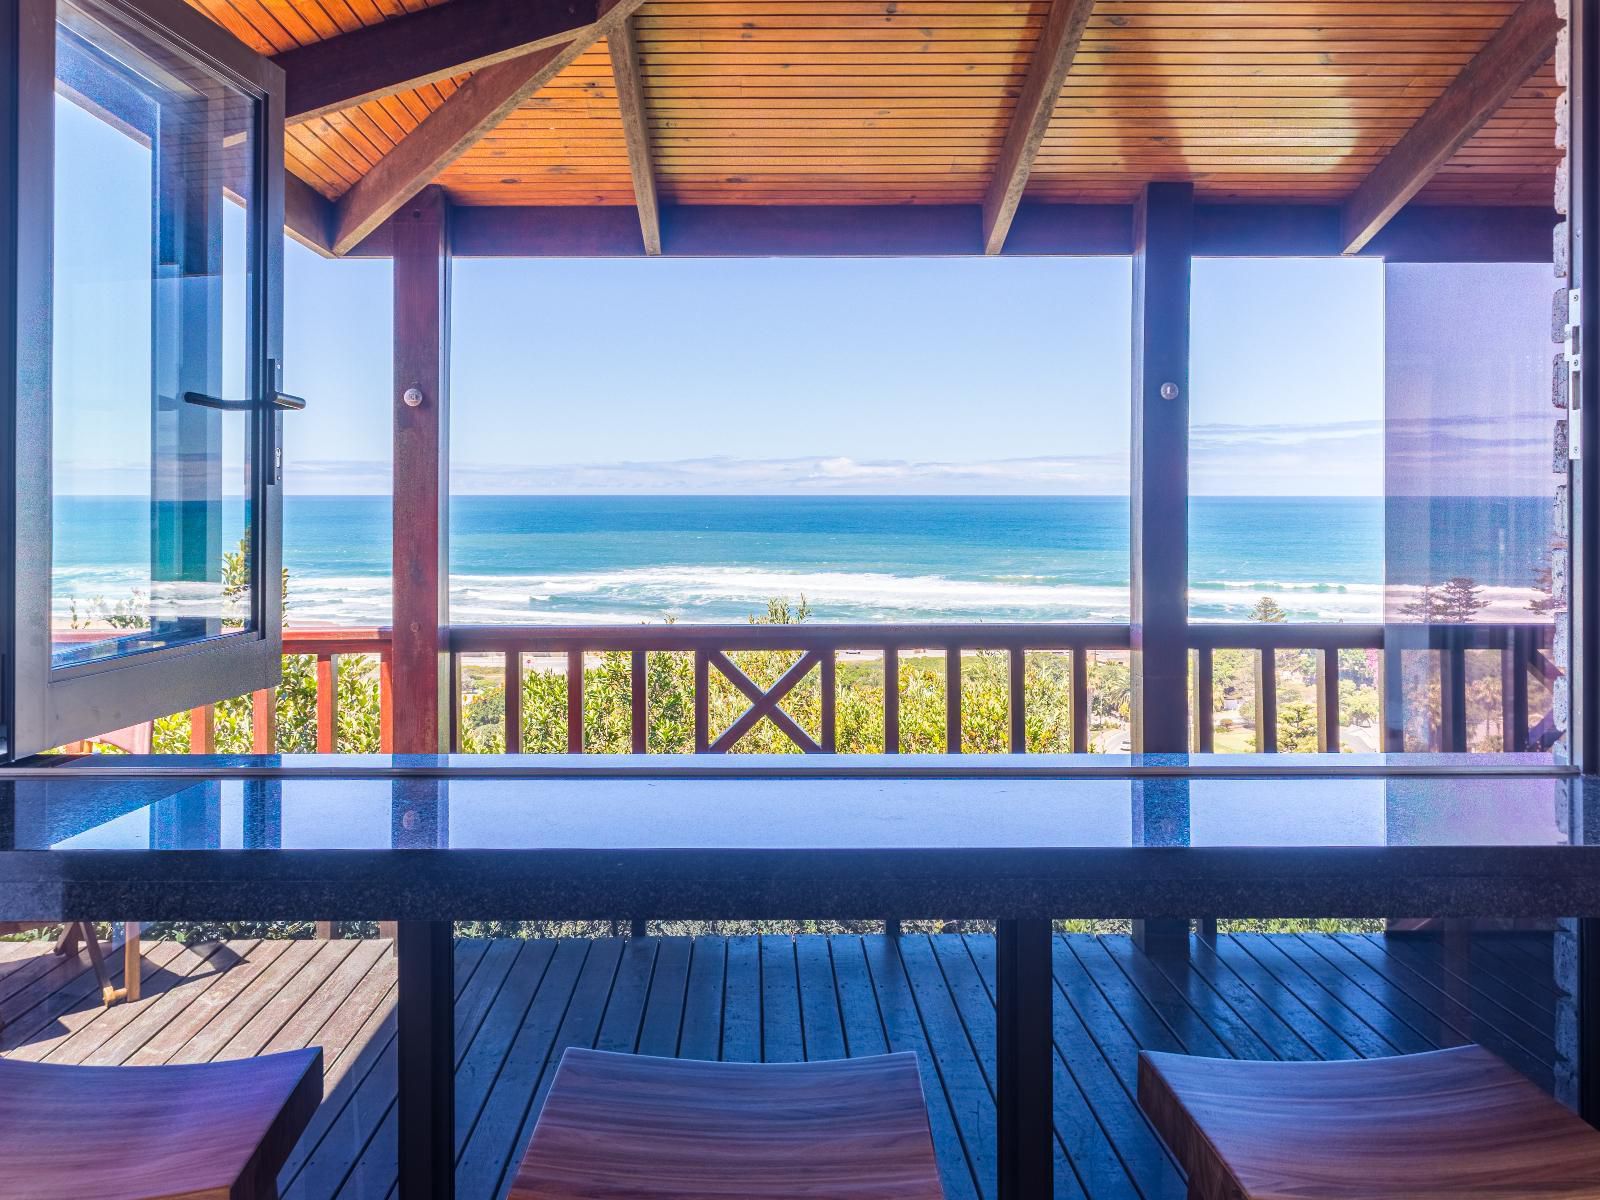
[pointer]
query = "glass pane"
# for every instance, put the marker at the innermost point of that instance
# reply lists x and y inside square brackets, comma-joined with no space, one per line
[1475,512]
[153,345]
[1285,443]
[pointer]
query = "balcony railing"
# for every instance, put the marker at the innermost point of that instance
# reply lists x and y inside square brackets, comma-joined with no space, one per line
[1445,658]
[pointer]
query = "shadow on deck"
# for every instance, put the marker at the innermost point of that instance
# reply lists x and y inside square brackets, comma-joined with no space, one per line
[780,998]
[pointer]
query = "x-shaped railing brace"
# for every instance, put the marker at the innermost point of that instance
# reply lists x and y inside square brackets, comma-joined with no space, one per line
[765,703]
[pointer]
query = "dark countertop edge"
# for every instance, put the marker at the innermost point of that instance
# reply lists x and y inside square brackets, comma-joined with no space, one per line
[1484,881]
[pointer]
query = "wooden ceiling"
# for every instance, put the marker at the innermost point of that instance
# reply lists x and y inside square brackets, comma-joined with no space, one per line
[913,101]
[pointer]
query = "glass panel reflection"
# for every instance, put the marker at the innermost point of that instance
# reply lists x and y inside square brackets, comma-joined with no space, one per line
[155,197]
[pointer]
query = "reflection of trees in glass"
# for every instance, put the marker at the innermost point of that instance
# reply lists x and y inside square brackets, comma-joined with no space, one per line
[1455,601]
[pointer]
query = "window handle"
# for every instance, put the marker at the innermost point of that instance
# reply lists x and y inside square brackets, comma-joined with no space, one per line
[273,400]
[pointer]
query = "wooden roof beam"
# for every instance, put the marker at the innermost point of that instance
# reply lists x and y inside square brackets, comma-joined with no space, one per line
[636,131]
[448,132]
[1052,59]
[418,48]
[1510,58]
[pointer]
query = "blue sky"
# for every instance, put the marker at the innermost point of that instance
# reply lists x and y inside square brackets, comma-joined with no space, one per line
[836,376]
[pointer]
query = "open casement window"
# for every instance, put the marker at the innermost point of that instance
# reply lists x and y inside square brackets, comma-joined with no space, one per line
[147,313]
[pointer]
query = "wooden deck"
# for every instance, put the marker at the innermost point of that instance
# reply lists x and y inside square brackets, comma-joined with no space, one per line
[780,998]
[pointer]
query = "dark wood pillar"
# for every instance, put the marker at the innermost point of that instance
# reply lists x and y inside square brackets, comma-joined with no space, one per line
[1162,241]
[420,675]
[1162,249]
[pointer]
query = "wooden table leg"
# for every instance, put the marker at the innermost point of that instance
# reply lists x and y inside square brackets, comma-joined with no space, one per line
[426,1043]
[1024,1001]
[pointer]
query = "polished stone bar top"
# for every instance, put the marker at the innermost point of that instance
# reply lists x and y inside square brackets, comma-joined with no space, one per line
[1489,837]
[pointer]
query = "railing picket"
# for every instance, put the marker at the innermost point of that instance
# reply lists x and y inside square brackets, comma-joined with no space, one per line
[1453,698]
[263,721]
[1267,701]
[513,701]
[1514,664]
[1080,700]
[702,702]
[327,703]
[829,683]
[574,701]
[952,700]
[1018,702]
[891,699]
[1328,701]
[638,712]
[203,729]
[386,704]
[1205,728]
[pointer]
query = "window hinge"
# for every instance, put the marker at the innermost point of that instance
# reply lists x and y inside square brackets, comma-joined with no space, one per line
[1574,354]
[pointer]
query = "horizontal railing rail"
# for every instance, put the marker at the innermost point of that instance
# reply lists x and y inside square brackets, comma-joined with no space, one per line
[1524,651]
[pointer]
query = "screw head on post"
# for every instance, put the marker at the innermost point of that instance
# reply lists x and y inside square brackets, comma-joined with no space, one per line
[1169,391]
[412,397]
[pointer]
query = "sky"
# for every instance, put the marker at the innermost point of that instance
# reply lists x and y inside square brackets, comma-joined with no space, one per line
[841,375]
[814,376]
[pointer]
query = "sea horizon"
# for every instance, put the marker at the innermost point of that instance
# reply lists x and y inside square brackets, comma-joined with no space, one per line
[587,559]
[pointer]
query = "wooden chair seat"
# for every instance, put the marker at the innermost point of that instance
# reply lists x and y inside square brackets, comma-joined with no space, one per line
[1449,1125]
[210,1131]
[625,1125]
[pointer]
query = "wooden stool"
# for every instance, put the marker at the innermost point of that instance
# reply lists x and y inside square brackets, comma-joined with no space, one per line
[212,1131]
[626,1125]
[1449,1125]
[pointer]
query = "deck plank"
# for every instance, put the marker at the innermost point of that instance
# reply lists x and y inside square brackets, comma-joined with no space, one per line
[352,1116]
[782,1034]
[820,1022]
[482,1158]
[520,1004]
[702,1002]
[1082,1154]
[961,1169]
[1368,1039]
[741,1001]
[663,1007]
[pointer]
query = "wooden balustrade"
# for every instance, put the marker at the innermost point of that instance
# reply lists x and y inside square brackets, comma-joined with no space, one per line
[817,649]
[1524,655]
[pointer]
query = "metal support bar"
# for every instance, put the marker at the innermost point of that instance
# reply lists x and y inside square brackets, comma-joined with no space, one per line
[426,1059]
[1024,1053]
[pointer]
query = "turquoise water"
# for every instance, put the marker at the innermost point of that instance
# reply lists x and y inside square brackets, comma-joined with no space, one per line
[558,559]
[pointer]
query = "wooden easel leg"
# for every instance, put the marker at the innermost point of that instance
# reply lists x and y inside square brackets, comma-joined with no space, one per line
[132,967]
[71,935]
[97,958]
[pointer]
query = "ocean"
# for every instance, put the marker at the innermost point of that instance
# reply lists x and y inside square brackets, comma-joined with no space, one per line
[629,559]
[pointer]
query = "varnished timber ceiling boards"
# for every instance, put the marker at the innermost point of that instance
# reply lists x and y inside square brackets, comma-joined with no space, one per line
[1364,104]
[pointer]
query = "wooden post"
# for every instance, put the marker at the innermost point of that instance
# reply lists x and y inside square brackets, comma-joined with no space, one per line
[1162,244]
[420,674]
[1163,236]
[419,666]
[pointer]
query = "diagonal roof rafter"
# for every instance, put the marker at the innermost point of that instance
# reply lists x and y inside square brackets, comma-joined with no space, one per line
[624,48]
[417,48]
[1047,73]
[1518,49]
[477,106]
